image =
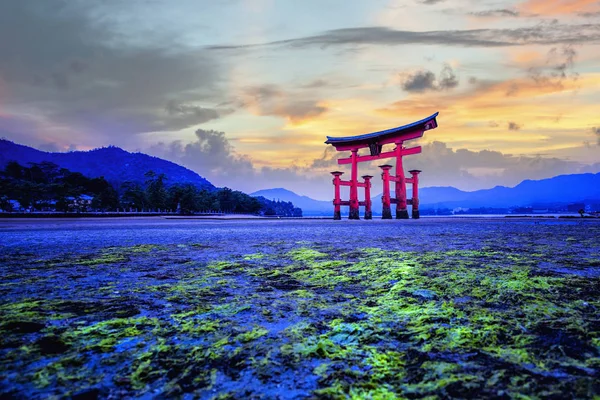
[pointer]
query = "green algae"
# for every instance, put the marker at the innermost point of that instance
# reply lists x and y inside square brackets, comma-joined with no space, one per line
[255,333]
[323,273]
[370,323]
[107,258]
[305,254]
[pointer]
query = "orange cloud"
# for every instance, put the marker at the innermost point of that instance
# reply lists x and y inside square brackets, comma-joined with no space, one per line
[552,116]
[270,100]
[527,58]
[558,7]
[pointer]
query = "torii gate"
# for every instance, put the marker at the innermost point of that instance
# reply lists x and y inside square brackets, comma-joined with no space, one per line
[375,141]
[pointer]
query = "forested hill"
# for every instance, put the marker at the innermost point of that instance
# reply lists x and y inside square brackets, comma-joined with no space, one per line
[113,163]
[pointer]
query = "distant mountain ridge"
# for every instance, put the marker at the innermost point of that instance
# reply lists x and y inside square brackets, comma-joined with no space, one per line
[562,189]
[309,206]
[114,163]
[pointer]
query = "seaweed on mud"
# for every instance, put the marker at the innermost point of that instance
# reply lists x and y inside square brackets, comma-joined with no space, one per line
[306,321]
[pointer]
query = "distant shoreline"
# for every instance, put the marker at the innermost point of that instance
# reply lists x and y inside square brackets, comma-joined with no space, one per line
[230,217]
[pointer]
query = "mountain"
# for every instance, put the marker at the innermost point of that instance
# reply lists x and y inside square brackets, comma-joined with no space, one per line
[115,164]
[563,189]
[309,206]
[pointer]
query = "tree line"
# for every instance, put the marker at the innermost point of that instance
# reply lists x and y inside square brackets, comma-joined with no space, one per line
[46,186]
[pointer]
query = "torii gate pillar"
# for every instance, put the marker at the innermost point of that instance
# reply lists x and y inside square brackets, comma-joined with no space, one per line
[368,212]
[401,204]
[415,193]
[354,204]
[385,197]
[337,200]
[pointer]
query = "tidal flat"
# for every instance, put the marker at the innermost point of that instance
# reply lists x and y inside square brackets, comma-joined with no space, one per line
[433,308]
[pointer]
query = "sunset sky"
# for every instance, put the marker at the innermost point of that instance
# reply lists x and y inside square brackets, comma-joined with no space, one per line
[245,91]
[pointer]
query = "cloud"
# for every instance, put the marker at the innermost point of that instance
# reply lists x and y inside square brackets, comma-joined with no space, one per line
[420,81]
[430,2]
[443,164]
[539,34]
[496,13]
[181,116]
[596,131]
[447,79]
[317,83]
[513,126]
[328,159]
[425,80]
[558,7]
[272,100]
[559,67]
[50,147]
[66,64]
[212,156]
[589,14]
[467,169]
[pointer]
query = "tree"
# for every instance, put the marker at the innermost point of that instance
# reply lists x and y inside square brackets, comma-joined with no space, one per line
[104,195]
[134,196]
[13,170]
[5,204]
[156,192]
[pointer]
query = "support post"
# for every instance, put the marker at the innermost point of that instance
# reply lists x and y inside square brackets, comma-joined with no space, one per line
[401,205]
[415,193]
[337,201]
[368,211]
[354,212]
[385,198]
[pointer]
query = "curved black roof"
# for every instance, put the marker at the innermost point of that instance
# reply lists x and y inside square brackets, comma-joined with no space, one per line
[375,135]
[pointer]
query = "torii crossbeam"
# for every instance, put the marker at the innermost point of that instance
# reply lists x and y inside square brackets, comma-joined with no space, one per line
[375,141]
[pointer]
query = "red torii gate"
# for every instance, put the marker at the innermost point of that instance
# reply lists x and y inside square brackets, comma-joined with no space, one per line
[375,141]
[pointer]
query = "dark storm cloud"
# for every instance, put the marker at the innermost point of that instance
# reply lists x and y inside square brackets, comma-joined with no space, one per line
[74,69]
[540,34]
[424,80]
[496,13]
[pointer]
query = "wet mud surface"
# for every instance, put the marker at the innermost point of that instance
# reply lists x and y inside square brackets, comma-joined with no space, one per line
[435,308]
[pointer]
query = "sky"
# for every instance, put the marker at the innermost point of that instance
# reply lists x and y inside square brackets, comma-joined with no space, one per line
[244,92]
